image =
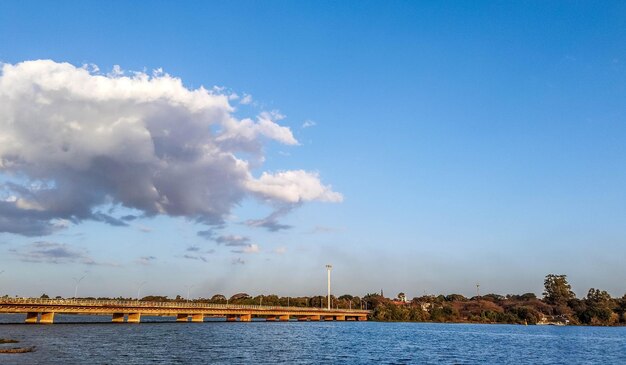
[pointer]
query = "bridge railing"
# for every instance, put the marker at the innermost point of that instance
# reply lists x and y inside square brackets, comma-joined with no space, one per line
[143,303]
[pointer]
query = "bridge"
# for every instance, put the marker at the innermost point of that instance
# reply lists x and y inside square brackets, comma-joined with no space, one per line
[39,310]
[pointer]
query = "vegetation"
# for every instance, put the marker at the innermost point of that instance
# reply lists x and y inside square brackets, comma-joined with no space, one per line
[559,305]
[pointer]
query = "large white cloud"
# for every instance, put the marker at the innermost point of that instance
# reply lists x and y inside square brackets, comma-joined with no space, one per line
[292,187]
[73,140]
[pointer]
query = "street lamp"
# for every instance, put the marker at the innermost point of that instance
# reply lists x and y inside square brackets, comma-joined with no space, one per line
[139,288]
[77,282]
[328,269]
[189,290]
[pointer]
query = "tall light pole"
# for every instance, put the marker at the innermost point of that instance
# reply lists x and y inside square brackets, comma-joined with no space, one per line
[139,288]
[77,282]
[189,290]
[328,269]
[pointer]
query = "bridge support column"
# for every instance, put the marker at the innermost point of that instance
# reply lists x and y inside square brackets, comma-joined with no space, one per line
[284,318]
[118,318]
[47,318]
[340,318]
[197,317]
[31,317]
[362,318]
[134,317]
[245,317]
[182,318]
[314,318]
[270,318]
[231,318]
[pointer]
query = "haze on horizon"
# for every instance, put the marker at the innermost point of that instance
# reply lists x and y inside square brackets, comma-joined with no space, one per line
[240,147]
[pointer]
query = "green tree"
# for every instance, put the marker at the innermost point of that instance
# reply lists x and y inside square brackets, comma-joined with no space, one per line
[218,298]
[597,308]
[557,289]
[598,297]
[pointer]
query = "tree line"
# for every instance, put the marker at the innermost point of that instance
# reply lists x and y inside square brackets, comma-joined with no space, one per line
[559,305]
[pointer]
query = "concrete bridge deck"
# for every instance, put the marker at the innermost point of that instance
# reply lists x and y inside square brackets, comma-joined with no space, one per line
[40,310]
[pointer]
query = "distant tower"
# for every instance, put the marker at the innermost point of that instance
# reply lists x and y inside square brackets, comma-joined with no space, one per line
[381,293]
[329,268]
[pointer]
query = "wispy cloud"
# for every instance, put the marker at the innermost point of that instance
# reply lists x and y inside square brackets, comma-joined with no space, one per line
[99,216]
[324,229]
[145,260]
[144,229]
[55,253]
[233,240]
[252,248]
[308,124]
[271,222]
[197,253]
[246,99]
[195,257]
[208,234]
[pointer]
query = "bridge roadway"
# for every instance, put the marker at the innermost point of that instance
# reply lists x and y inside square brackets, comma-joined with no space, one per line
[39,310]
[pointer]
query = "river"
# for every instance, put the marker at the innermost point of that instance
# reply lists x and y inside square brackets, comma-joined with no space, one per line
[219,342]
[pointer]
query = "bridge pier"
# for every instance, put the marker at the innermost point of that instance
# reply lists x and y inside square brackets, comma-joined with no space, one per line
[182,318]
[245,318]
[32,317]
[314,318]
[47,318]
[340,318]
[197,317]
[134,317]
[118,318]
[284,318]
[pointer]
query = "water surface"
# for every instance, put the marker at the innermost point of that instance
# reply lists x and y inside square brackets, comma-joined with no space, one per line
[311,342]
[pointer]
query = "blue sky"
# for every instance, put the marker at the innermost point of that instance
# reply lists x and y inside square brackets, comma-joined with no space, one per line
[471,142]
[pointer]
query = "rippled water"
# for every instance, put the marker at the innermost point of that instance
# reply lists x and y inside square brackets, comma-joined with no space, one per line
[312,342]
